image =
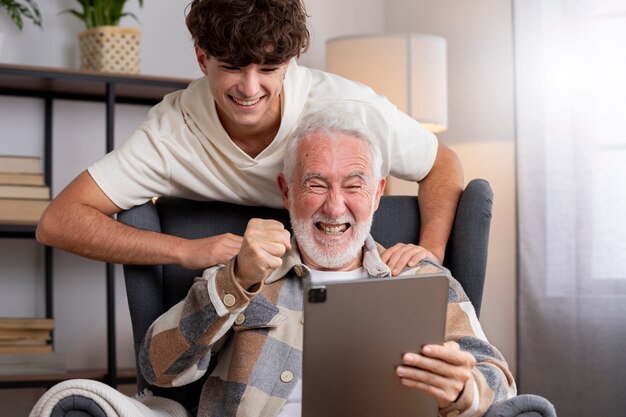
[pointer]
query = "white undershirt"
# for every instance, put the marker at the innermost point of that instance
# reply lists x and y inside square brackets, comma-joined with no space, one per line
[293,406]
[323,277]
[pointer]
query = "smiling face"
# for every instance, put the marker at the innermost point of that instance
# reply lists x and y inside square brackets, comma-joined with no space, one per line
[332,200]
[247,98]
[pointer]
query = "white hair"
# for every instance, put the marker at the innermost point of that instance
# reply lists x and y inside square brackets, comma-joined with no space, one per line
[329,123]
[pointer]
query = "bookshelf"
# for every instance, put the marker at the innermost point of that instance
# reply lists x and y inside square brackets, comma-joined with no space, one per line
[50,84]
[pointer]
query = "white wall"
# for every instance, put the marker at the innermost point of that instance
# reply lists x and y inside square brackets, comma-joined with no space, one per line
[79,294]
[166,42]
[329,19]
[480,128]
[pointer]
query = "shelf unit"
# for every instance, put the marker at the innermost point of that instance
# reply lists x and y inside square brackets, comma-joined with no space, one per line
[50,84]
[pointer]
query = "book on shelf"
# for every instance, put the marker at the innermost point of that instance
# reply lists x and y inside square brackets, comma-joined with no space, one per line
[12,178]
[21,211]
[22,349]
[24,341]
[25,331]
[24,334]
[20,164]
[26,323]
[25,192]
[32,364]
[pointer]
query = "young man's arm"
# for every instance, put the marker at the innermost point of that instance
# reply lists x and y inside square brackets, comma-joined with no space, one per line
[439,194]
[79,220]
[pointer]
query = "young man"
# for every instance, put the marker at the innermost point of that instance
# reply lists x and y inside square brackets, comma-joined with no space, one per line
[223,138]
[247,315]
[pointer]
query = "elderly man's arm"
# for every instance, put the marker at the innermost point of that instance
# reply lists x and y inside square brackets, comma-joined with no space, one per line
[79,220]
[177,347]
[466,374]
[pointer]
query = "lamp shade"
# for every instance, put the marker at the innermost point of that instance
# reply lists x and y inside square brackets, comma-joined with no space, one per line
[410,69]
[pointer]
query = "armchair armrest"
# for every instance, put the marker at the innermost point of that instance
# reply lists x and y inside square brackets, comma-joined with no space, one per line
[77,406]
[525,405]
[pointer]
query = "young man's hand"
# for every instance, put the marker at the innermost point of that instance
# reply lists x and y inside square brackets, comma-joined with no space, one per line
[206,252]
[401,255]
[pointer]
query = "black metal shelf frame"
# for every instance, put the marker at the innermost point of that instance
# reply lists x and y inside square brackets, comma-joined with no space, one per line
[51,84]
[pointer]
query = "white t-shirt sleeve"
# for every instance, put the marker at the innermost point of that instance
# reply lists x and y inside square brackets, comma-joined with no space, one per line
[134,172]
[411,148]
[408,149]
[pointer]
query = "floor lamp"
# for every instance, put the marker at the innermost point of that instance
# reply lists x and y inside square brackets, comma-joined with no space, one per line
[409,69]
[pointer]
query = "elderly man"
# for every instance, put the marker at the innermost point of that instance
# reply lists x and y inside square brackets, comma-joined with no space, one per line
[252,306]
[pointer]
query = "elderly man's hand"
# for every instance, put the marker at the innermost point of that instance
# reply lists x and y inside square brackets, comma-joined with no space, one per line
[401,255]
[439,370]
[264,243]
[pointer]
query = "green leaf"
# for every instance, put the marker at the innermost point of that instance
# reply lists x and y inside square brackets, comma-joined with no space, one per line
[19,11]
[102,12]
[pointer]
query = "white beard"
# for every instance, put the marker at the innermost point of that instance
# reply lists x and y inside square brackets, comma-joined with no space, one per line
[325,253]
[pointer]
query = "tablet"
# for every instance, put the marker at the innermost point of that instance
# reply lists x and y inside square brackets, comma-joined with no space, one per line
[354,336]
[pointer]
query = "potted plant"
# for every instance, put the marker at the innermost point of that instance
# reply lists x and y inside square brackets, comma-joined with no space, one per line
[104,46]
[19,11]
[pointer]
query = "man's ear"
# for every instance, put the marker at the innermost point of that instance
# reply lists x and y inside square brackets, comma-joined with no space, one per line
[284,189]
[201,57]
[379,192]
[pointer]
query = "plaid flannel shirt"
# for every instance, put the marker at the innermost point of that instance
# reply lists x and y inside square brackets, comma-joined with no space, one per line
[256,339]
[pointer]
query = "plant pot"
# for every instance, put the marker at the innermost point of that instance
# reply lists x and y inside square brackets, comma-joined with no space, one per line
[110,49]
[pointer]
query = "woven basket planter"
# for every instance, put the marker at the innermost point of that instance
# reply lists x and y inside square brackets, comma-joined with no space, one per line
[110,49]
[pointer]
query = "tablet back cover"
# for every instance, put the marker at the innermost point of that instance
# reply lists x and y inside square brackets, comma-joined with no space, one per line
[354,336]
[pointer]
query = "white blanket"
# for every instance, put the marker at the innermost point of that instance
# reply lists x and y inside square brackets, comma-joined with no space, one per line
[112,402]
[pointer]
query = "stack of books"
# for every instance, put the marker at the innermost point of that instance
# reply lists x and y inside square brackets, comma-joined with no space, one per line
[23,191]
[26,348]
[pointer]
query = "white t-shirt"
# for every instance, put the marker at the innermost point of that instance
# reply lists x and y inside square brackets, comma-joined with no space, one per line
[182,149]
[293,405]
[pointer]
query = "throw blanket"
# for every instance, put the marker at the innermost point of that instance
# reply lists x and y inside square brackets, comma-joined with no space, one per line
[112,402]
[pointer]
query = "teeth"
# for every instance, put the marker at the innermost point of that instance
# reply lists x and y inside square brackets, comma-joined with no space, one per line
[246,102]
[333,229]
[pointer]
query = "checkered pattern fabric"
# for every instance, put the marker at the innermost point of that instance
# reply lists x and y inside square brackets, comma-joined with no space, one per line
[257,340]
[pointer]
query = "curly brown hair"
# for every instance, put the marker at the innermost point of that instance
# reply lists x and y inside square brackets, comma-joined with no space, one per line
[243,32]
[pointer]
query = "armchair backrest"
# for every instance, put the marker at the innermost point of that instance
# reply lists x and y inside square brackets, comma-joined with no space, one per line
[152,290]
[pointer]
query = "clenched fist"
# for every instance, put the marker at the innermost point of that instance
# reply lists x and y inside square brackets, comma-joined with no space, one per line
[264,244]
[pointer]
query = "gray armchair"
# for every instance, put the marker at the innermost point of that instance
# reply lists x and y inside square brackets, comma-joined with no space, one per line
[152,290]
